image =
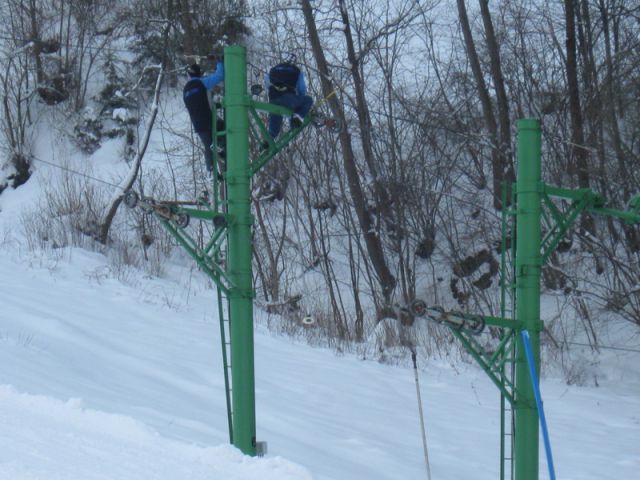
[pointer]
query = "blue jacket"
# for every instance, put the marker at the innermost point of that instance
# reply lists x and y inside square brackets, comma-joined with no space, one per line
[196,99]
[285,78]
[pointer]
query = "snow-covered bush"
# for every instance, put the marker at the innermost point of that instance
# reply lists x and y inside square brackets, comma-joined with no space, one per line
[88,131]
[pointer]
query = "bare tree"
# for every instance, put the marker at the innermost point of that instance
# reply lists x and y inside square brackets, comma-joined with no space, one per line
[128,181]
[17,81]
[16,118]
[498,130]
[579,153]
[372,240]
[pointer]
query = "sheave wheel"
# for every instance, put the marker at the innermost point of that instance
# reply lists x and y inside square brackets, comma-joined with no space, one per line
[130,199]
[318,119]
[418,308]
[182,220]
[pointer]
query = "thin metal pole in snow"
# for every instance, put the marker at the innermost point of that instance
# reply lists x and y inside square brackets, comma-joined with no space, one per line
[424,435]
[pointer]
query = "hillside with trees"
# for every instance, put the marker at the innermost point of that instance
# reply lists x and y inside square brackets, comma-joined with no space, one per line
[405,201]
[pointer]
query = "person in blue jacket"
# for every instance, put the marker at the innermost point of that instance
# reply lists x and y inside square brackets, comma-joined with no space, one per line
[196,99]
[286,86]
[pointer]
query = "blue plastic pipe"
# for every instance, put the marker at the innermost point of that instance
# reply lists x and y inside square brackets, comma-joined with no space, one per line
[536,391]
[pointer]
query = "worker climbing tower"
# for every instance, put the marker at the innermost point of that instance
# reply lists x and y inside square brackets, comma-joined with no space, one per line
[533,225]
[227,257]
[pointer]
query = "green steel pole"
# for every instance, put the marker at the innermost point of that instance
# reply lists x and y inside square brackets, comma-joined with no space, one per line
[528,264]
[239,250]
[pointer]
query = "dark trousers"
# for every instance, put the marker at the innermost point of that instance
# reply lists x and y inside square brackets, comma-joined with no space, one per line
[300,104]
[206,138]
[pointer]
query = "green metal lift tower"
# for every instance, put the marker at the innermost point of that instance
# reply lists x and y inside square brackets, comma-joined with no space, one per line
[227,256]
[227,259]
[535,225]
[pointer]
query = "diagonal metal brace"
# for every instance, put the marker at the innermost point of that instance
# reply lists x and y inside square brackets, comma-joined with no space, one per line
[274,145]
[488,363]
[582,200]
[207,262]
[465,327]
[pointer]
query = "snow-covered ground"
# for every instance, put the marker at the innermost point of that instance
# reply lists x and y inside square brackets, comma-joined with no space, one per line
[46,438]
[106,375]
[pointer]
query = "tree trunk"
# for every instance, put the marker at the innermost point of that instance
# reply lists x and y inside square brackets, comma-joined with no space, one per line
[592,107]
[578,160]
[35,35]
[272,276]
[364,118]
[127,183]
[372,241]
[610,101]
[504,121]
[186,20]
[497,161]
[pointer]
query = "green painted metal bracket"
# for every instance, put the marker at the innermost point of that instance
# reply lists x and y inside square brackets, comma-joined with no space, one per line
[232,220]
[559,224]
[591,201]
[582,200]
[507,276]
[466,327]
[217,217]
[213,246]
[504,323]
[490,363]
[274,145]
[205,261]
[271,108]
[586,195]
[220,167]
[628,217]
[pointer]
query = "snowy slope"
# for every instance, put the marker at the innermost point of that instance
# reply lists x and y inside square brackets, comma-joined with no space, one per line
[47,438]
[103,378]
[130,386]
